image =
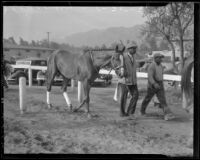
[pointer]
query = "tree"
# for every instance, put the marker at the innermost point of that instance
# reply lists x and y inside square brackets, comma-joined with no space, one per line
[163,45]
[96,47]
[44,43]
[54,45]
[23,42]
[103,46]
[19,54]
[183,14]
[38,54]
[144,48]
[113,45]
[170,22]
[11,40]
[151,40]
[33,43]
[160,23]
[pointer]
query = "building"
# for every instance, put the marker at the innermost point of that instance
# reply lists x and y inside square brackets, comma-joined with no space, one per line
[168,54]
[13,52]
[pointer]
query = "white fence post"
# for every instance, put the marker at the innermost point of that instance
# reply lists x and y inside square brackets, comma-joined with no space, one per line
[22,94]
[80,92]
[72,84]
[30,77]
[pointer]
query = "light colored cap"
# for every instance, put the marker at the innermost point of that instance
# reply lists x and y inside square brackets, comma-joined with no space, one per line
[131,45]
[158,55]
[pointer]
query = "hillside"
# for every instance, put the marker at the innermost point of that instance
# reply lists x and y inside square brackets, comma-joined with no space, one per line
[106,36]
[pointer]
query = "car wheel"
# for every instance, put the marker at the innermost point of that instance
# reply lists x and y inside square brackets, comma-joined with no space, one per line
[105,84]
[17,80]
[40,83]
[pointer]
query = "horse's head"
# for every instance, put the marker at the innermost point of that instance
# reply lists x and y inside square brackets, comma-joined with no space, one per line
[116,60]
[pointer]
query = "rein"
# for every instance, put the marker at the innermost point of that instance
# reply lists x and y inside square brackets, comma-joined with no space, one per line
[92,59]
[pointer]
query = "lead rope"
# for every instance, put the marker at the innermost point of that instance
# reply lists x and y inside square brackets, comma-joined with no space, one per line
[92,59]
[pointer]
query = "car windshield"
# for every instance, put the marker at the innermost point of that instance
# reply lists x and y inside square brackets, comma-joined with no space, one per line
[23,62]
[39,63]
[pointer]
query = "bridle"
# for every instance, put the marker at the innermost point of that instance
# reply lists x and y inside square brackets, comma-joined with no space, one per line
[103,65]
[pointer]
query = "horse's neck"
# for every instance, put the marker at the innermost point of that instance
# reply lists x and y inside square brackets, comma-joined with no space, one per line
[101,59]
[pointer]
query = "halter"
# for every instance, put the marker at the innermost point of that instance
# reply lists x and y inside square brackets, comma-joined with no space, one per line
[92,59]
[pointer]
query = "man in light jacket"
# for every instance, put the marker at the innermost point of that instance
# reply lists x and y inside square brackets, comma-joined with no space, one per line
[155,86]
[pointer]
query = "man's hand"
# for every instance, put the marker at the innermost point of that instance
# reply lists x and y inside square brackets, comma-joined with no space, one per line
[156,86]
[122,72]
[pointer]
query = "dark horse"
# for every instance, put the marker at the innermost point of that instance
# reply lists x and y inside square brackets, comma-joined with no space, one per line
[187,91]
[83,67]
[7,69]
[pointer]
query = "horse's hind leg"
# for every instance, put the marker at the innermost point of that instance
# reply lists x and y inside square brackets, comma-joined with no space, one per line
[86,88]
[64,89]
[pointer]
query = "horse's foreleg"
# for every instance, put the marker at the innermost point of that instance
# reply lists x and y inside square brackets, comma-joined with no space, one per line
[64,89]
[86,89]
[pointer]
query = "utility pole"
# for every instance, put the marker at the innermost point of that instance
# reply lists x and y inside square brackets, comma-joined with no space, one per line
[48,38]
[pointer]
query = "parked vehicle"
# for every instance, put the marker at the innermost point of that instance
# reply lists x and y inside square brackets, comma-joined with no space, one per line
[41,78]
[104,79]
[22,65]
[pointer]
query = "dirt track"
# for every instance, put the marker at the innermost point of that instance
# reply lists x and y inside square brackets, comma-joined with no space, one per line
[41,130]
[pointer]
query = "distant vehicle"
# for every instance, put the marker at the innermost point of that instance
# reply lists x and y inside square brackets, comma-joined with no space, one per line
[22,65]
[103,79]
[41,79]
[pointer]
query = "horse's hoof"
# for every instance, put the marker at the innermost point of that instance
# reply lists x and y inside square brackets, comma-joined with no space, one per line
[168,117]
[49,106]
[89,116]
[92,115]
[22,111]
[75,110]
[70,108]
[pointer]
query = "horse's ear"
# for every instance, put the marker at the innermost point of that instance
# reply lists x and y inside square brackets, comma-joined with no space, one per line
[123,49]
[120,48]
[116,48]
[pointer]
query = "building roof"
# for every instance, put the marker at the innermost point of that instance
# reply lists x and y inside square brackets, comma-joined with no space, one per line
[12,46]
[31,58]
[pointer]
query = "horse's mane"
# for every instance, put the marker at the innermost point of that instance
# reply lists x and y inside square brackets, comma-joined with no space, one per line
[6,67]
[98,50]
[186,84]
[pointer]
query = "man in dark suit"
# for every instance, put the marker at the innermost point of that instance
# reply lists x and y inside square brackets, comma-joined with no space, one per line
[128,81]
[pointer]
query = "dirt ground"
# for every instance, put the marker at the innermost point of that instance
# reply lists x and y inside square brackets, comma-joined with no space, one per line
[41,130]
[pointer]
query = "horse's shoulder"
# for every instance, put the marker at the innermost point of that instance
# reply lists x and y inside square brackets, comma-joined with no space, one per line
[125,54]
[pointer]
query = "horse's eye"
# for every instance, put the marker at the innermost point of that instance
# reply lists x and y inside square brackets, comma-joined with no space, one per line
[117,57]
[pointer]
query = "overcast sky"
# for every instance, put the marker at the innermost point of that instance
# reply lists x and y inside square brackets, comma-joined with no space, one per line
[32,23]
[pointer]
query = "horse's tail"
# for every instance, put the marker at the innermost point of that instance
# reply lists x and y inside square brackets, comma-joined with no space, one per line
[51,69]
[186,84]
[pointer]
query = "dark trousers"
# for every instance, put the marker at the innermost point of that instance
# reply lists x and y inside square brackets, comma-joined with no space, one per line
[133,90]
[4,82]
[160,93]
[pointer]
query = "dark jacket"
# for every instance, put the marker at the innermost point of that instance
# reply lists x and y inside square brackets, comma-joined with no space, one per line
[130,69]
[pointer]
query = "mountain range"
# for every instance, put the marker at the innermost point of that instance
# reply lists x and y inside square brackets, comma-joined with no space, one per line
[98,37]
